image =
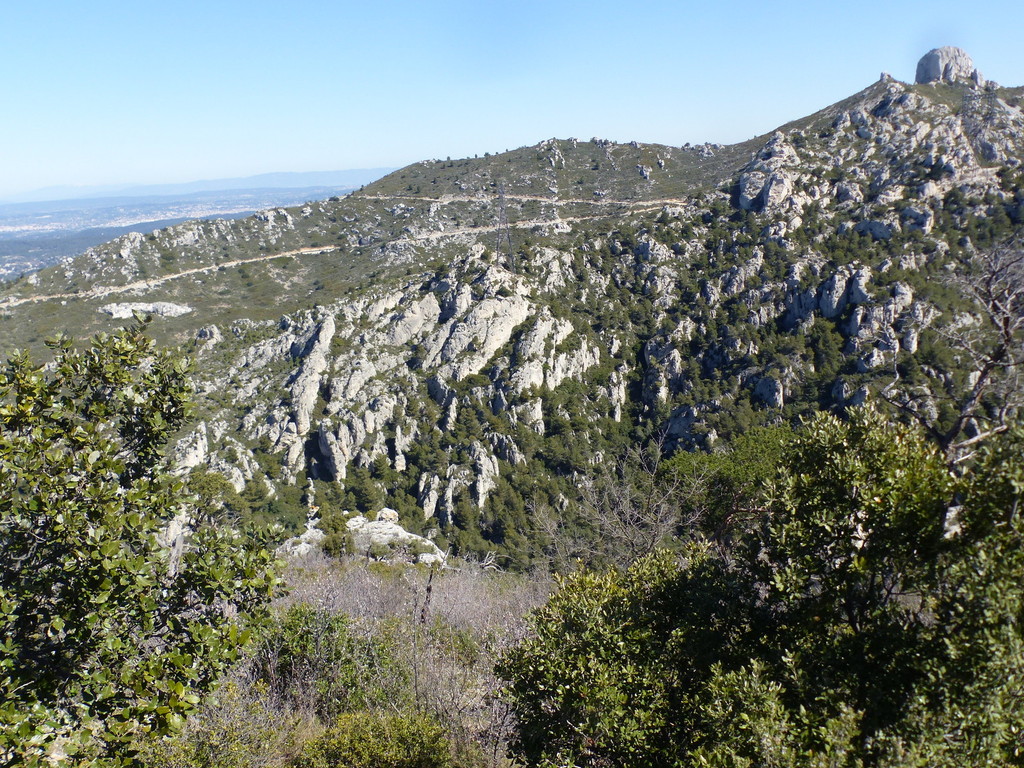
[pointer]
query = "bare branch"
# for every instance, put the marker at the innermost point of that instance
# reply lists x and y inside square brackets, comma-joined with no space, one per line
[986,390]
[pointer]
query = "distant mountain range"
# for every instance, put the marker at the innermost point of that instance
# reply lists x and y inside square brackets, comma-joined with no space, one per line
[350,178]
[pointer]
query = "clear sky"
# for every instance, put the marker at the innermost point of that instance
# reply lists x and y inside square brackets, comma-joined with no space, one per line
[155,91]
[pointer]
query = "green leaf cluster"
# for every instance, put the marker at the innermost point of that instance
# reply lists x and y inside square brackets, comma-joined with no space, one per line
[313,660]
[119,603]
[370,740]
[868,616]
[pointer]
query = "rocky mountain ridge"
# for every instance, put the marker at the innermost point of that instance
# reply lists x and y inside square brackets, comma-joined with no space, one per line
[468,341]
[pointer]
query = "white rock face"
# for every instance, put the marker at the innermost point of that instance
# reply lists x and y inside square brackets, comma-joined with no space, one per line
[421,315]
[429,494]
[465,347]
[750,185]
[858,286]
[849,192]
[947,64]
[306,543]
[487,470]
[833,295]
[776,189]
[765,183]
[161,308]
[306,386]
[770,392]
[192,450]
[879,230]
[367,536]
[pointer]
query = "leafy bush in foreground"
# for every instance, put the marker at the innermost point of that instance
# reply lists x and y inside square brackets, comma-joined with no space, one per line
[370,740]
[119,606]
[872,618]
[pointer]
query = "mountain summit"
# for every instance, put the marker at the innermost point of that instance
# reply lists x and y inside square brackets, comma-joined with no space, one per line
[949,65]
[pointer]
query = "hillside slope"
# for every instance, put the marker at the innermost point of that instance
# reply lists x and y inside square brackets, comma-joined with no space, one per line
[468,341]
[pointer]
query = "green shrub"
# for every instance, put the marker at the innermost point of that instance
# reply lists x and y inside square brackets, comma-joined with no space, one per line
[312,659]
[865,621]
[370,740]
[238,727]
[111,624]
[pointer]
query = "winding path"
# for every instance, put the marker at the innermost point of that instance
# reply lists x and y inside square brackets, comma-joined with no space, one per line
[102,291]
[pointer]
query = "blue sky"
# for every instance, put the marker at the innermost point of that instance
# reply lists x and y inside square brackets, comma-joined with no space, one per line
[119,92]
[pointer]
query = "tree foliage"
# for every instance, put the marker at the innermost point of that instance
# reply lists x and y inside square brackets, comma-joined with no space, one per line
[118,600]
[871,617]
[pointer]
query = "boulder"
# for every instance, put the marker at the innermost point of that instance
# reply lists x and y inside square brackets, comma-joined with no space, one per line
[832,300]
[857,288]
[388,515]
[878,230]
[210,334]
[770,392]
[949,65]
[306,543]
[776,190]
[161,308]
[849,192]
[380,536]
[750,185]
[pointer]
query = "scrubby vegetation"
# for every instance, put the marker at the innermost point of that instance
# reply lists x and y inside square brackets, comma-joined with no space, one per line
[837,596]
[120,604]
[848,594]
[868,616]
[376,665]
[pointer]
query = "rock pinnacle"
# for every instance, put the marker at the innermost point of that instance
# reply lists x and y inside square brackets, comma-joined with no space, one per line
[948,65]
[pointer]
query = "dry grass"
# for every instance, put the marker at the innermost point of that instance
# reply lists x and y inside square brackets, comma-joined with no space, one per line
[430,642]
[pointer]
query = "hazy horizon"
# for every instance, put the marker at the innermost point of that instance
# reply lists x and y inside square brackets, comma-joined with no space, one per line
[119,94]
[352,177]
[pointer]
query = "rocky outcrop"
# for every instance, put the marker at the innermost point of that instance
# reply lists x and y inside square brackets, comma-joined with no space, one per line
[192,450]
[421,315]
[384,538]
[766,182]
[486,471]
[470,368]
[306,543]
[160,308]
[949,65]
[306,386]
[210,334]
[305,389]
[462,348]
[770,392]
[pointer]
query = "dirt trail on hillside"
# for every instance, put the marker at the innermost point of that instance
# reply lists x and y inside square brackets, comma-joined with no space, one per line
[444,199]
[102,291]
